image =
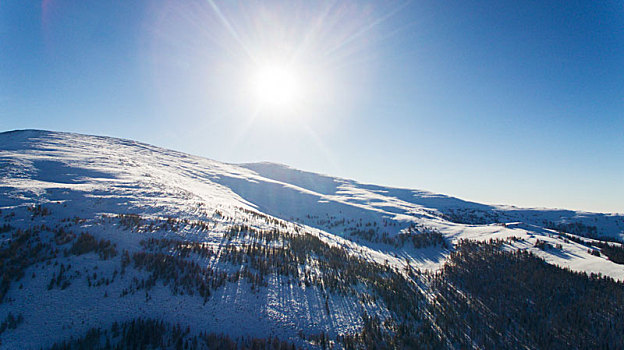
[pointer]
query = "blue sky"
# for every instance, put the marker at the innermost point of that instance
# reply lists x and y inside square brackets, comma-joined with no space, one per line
[494,101]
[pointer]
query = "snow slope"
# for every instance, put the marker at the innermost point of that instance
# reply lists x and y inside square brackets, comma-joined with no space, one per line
[376,203]
[95,179]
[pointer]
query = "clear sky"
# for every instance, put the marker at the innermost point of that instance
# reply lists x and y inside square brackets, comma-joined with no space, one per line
[507,102]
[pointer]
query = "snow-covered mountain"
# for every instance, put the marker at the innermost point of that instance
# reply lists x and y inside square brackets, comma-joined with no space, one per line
[109,233]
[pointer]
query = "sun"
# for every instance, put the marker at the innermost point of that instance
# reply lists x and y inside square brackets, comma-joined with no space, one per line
[276,87]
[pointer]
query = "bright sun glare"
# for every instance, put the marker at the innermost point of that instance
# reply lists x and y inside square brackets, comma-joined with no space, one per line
[276,87]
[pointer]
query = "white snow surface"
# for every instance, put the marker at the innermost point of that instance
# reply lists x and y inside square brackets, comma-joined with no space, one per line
[88,176]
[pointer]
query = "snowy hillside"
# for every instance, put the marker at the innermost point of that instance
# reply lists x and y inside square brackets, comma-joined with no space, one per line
[101,232]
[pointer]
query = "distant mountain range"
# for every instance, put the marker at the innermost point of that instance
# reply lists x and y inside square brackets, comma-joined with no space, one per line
[111,243]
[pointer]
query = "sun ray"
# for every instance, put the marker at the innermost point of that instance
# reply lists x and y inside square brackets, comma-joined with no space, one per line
[368,28]
[329,157]
[228,26]
[314,30]
[244,128]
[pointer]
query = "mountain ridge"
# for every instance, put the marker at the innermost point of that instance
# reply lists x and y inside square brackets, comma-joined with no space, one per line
[256,166]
